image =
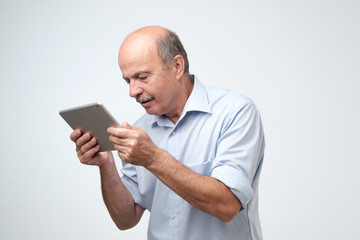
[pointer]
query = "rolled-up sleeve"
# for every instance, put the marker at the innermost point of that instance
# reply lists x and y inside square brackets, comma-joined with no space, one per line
[129,179]
[239,152]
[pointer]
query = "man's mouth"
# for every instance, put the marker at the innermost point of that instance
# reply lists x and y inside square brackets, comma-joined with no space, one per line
[143,100]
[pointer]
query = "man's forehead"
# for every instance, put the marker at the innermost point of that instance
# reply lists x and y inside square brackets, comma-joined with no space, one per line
[137,49]
[138,57]
[133,60]
[137,45]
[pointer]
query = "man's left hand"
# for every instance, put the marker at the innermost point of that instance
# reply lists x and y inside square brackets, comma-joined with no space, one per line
[133,144]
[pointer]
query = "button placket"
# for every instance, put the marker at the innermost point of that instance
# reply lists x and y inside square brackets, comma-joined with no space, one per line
[173,149]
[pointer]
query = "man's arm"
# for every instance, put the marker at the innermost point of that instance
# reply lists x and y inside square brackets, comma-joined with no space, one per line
[205,193]
[118,200]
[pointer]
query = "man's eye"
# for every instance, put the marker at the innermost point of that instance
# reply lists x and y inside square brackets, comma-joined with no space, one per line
[142,77]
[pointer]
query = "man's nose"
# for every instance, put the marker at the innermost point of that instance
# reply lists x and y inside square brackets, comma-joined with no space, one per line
[134,89]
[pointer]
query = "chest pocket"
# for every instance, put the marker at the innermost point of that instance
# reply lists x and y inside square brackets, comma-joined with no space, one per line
[203,168]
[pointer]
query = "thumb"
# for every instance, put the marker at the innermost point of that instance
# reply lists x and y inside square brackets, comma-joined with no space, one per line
[125,124]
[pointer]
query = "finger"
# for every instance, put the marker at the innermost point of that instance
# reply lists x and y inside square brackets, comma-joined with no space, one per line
[122,152]
[119,132]
[87,146]
[87,156]
[75,135]
[118,141]
[126,125]
[82,140]
[120,148]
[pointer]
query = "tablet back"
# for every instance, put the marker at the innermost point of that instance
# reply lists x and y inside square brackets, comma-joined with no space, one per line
[93,118]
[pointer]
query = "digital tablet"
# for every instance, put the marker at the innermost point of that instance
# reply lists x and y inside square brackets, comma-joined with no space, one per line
[93,118]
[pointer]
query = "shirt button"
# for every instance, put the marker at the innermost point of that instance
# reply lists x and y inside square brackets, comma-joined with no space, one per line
[173,132]
[173,216]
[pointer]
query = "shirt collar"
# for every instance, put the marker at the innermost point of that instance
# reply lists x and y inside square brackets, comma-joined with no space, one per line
[197,102]
[198,99]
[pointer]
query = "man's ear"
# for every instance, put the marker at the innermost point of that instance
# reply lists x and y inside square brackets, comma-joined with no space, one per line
[179,66]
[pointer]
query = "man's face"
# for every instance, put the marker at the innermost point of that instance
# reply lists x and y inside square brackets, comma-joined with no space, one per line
[153,86]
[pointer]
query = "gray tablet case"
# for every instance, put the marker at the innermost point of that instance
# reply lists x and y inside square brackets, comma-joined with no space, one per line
[93,118]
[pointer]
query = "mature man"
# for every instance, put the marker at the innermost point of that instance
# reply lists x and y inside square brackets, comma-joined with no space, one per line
[193,160]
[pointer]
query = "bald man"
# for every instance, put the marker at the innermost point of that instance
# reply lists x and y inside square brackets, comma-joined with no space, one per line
[193,159]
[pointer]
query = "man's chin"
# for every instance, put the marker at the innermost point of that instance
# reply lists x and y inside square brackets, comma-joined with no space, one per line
[152,111]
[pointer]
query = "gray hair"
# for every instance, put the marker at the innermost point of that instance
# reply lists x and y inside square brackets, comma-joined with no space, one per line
[168,47]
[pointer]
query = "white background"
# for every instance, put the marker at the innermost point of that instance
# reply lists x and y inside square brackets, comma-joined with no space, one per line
[298,60]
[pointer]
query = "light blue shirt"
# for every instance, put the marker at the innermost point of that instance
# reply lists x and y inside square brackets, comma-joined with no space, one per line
[219,134]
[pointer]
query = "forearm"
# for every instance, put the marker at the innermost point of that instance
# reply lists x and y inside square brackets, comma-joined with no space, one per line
[118,200]
[117,197]
[204,192]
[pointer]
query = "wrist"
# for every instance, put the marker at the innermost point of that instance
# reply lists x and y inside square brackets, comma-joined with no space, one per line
[109,165]
[158,158]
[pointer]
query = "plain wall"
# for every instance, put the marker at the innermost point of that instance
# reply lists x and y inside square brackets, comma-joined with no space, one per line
[298,60]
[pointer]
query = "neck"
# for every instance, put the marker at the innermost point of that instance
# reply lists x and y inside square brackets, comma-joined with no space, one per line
[185,90]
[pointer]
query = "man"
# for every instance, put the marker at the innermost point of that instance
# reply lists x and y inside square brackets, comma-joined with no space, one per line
[193,160]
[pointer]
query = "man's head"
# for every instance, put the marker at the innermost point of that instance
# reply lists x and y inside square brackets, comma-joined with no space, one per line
[154,63]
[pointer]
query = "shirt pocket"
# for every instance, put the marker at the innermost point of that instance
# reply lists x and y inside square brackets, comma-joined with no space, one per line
[202,168]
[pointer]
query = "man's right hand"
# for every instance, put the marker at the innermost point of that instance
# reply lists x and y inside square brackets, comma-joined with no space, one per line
[88,150]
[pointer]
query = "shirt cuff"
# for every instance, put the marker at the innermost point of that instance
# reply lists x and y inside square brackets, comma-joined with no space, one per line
[133,189]
[236,181]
